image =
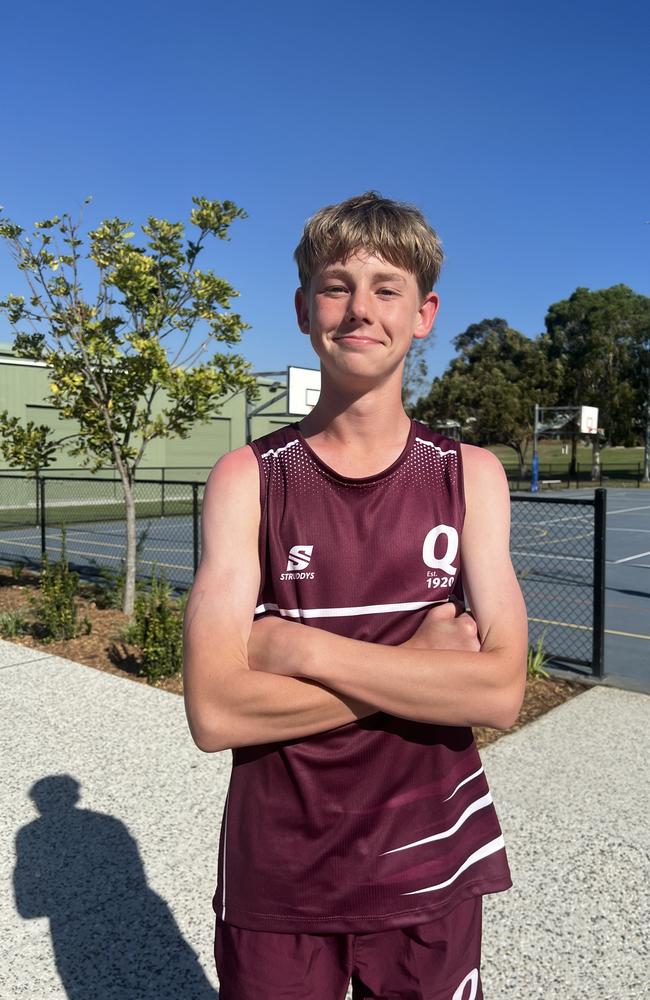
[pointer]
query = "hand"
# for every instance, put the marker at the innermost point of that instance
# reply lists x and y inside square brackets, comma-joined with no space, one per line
[447,626]
[268,645]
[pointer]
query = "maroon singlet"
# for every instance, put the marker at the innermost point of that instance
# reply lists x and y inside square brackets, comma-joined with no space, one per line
[384,822]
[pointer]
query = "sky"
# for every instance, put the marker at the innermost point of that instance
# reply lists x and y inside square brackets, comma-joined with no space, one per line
[520,129]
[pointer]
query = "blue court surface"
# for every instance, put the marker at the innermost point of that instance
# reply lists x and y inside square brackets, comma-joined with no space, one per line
[557,547]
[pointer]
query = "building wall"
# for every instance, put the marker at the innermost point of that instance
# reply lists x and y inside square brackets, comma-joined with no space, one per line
[24,392]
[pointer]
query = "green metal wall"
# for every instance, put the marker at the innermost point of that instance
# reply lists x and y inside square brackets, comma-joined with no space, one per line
[24,389]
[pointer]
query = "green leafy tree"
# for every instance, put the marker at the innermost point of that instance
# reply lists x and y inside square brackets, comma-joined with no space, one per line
[602,340]
[26,446]
[116,355]
[492,386]
[416,369]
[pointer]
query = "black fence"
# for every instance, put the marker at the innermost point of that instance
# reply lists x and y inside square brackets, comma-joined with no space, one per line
[558,547]
[558,551]
[35,510]
[557,476]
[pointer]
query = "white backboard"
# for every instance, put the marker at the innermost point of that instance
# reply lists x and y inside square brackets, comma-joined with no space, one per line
[588,419]
[304,389]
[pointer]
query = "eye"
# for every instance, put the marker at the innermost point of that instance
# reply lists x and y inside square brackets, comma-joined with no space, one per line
[388,293]
[335,290]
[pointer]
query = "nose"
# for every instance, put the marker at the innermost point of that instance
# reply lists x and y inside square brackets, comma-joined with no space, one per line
[359,305]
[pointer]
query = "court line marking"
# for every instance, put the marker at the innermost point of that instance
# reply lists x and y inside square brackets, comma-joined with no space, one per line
[107,555]
[635,531]
[639,555]
[587,628]
[119,544]
[626,510]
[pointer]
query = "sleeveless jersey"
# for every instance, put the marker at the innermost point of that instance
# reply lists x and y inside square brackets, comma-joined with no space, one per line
[383,822]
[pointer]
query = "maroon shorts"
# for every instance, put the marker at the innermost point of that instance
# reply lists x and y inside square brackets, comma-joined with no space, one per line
[434,961]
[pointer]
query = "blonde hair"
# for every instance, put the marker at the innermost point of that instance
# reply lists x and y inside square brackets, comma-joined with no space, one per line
[393,230]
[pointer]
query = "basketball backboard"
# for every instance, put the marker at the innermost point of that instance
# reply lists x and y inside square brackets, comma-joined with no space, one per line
[304,389]
[588,419]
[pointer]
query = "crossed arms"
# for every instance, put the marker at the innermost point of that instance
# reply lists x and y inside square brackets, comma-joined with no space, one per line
[248,683]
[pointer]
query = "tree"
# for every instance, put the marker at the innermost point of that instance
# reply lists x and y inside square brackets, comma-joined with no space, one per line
[492,386]
[29,446]
[114,354]
[416,370]
[602,337]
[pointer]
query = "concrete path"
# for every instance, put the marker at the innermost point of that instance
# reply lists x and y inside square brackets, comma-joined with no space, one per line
[109,898]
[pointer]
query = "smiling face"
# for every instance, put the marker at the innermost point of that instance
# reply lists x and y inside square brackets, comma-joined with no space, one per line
[362,315]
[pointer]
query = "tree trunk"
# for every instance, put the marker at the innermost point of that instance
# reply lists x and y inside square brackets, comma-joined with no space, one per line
[574,450]
[128,487]
[129,580]
[595,458]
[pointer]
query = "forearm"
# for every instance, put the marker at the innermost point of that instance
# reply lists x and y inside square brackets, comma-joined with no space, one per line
[229,705]
[437,686]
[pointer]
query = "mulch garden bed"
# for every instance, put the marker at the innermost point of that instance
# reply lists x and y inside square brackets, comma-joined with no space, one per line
[103,649]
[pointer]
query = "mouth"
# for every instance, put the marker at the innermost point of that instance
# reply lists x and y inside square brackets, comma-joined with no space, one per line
[351,338]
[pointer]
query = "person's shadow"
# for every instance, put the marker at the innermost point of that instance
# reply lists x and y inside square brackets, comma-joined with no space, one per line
[113,937]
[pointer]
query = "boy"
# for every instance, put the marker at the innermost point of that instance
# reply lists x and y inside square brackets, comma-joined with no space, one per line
[359,833]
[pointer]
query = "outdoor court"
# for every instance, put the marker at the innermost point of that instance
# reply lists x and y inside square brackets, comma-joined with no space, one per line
[548,546]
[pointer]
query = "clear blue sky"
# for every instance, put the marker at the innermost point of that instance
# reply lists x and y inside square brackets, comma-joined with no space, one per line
[520,129]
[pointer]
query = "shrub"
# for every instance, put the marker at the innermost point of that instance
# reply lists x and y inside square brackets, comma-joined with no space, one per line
[13,623]
[57,608]
[536,659]
[17,570]
[157,628]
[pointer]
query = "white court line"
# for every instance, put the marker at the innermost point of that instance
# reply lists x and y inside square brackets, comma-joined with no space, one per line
[639,555]
[53,540]
[635,531]
[626,510]
[107,555]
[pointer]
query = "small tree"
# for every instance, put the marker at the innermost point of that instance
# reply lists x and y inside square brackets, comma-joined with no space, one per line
[115,354]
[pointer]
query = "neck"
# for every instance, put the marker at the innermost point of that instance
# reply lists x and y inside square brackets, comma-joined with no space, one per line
[363,431]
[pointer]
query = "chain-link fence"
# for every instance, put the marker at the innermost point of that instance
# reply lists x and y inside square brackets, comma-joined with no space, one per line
[34,510]
[558,551]
[557,546]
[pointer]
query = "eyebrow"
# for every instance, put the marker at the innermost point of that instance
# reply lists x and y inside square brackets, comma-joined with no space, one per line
[340,272]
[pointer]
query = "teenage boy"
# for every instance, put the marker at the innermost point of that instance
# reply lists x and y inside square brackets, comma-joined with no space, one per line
[325,644]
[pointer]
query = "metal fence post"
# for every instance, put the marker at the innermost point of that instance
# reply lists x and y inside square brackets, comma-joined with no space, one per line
[598,629]
[41,496]
[162,494]
[195,524]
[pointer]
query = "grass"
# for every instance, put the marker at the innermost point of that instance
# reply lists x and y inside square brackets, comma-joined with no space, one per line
[550,452]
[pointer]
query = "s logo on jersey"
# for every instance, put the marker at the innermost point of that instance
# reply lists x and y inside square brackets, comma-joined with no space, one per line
[299,559]
[442,571]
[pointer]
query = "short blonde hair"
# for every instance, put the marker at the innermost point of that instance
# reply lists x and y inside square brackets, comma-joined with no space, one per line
[393,230]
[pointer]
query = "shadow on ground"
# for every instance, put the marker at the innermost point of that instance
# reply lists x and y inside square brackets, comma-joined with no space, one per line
[113,937]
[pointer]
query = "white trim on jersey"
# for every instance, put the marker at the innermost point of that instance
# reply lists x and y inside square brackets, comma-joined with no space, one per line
[473,807]
[470,777]
[277,451]
[441,451]
[364,609]
[483,852]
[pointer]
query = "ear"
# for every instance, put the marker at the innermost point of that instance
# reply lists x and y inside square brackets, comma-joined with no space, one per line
[302,311]
[426,316]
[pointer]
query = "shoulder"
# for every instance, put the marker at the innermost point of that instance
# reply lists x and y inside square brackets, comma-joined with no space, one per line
[485,481]
[233,482]
[481,463]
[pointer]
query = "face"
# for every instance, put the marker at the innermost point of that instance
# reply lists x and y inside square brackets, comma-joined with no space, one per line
[363,314]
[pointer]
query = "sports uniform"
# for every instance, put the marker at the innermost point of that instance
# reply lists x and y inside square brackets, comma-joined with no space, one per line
[383,823]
